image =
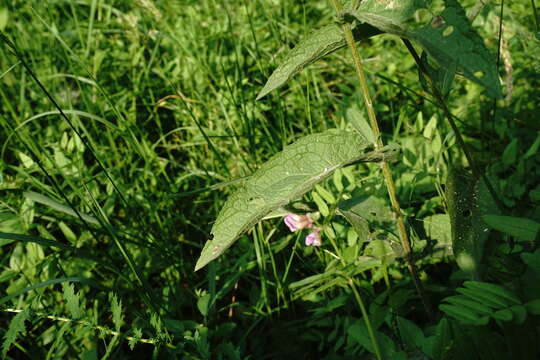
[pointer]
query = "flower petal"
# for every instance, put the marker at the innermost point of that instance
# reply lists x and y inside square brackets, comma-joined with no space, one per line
[297,222]
[314,238]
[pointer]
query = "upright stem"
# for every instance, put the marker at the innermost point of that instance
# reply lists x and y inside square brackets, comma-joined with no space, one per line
[362,306]
[367,322]
[387,173]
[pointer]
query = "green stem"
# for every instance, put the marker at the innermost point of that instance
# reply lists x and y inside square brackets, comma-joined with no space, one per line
[367,321]
[361,305]
[387,173]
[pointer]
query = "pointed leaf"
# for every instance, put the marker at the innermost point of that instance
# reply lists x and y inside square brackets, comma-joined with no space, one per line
[285,177]
[317,45]
[55,205]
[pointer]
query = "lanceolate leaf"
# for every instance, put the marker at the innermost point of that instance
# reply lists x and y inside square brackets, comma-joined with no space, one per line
[317,45]
[285,177]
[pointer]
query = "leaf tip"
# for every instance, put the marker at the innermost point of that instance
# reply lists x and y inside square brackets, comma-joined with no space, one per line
[262,94]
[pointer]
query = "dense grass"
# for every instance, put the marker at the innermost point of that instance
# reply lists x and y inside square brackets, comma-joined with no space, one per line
[114,196]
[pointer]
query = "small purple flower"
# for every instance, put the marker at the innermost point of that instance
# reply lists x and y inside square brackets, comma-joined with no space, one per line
[314,238]
[297,222]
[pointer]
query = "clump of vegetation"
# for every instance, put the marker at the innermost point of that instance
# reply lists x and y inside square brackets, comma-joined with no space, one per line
[223,180]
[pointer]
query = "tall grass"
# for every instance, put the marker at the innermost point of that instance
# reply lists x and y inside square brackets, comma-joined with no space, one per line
[106,201]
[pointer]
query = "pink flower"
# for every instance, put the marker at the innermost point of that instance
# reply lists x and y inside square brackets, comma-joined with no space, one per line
[297,222]
[314,238]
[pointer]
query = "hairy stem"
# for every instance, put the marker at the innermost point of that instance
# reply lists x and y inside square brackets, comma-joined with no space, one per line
[387,173]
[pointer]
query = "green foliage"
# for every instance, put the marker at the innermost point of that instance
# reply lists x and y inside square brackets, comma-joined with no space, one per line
[104,211]
[520,228]
[389,18]
[72,301]
[16,328]
[468,201]
[453,43]
[285,177]
[481,301]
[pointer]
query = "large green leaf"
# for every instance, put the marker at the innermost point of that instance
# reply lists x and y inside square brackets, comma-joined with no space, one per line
[317,45]
[449,38]
[285,177]
[452,41]
[468,201]
[388,16]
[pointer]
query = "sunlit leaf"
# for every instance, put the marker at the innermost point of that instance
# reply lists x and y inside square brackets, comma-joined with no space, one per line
[317,45]
[285,177]
[388,16]
[452,41]
[449,38]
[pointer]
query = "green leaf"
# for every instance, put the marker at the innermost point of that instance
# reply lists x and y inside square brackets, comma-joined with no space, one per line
[203,303]
[16,327]
[359,224]
[285,177]
[496,290]
[520,313]
[473,305]
[411,335]
[40,285]
[488,299]
[72,301]
[42,199]
[442,77]
[439,345]
[35,239]
[452,41]
[468,200]
[438,229]
[4,16]
[520,228]
[464,315]
[360,124]
[359,333]
[503,315]
[388,16]
[370,207]
[449,38]
[116,309]
[317,45]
